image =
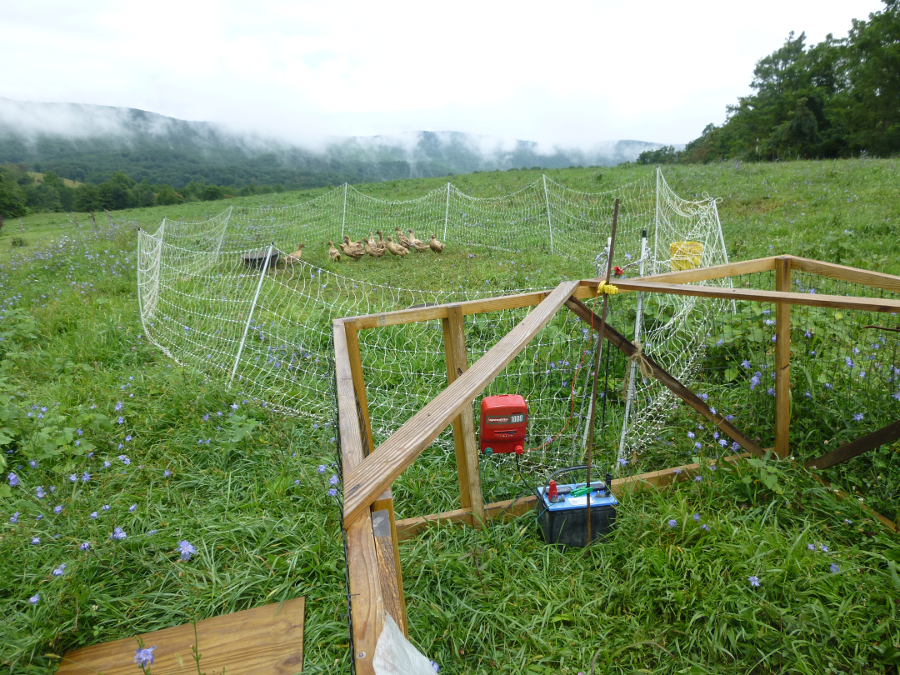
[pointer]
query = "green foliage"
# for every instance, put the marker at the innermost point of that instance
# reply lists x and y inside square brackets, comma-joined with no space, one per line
[838,98]
[12,197]
[493,601]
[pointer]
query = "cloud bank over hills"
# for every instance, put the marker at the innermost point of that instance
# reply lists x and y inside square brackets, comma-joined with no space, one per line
[89,142]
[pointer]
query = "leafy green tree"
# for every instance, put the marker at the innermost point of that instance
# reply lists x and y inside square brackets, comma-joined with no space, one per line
[12,197]
[873,70]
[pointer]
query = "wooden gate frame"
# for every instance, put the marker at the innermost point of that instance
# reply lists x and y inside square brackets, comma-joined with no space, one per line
[373,533]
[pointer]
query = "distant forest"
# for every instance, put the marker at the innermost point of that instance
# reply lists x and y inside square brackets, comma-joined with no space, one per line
[839,98]
[21,192]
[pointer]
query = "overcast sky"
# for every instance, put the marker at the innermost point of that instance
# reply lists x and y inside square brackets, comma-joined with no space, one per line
[570,73]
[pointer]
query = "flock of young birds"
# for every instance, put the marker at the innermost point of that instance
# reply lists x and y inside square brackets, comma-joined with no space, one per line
[376,249]
[369,246]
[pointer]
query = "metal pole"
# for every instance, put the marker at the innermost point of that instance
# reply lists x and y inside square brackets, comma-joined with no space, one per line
[584,436]
[549,220]
[250,316]
[447,212]
[602,329]
[344,217]
[638,322]
[656,227]
[724,250]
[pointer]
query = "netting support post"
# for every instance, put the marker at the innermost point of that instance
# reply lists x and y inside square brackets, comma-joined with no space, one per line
[237,359]
[549,219]
[655,269]
[632,374]
[782,359]
[447,212]
[467,468]
[344,215]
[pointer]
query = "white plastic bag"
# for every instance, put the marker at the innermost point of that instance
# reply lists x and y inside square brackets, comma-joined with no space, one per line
[395,655]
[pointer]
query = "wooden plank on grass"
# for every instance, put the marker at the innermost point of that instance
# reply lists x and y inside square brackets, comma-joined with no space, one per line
[887,282]
[364,483]
[861,445]
[466,448]
[622,344]
[808,299]
[782,360]
[410,527]
[252,642]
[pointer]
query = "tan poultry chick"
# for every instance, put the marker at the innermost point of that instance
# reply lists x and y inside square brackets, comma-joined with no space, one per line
[294,257]
[417,244]
[396,249]
[402,239]
[435,245]
[333,253]
[372,248]
[352,249]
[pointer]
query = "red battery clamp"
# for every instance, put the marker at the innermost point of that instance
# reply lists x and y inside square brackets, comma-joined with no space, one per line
[504,422]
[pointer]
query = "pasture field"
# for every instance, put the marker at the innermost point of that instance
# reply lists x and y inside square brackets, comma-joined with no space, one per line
[755,568]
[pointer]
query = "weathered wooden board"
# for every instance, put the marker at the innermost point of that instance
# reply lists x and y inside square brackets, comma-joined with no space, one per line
[857,276]
[854,448]
[713,272]
[410,527]
[497,304]
[363,483]
[782,360]
[809,299]
[262,641]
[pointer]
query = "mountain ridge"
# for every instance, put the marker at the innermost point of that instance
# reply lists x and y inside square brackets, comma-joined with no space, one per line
[87,143]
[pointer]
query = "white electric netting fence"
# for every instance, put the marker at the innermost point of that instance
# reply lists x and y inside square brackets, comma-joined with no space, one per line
[213,297]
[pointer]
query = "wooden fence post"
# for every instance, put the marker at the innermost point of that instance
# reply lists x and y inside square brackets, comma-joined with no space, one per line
[782,359]
[359,384]
[463,426]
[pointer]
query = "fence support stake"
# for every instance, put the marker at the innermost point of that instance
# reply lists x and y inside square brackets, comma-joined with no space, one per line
[344,216]
[237,359]
[782,359]
[447,212]
[549,219]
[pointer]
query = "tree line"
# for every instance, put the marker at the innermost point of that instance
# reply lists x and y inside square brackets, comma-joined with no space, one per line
[839,98]
[21,192]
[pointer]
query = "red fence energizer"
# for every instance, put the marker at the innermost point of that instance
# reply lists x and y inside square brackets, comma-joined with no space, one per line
[504,420]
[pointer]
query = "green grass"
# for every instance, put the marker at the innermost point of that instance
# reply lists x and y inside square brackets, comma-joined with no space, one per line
[660,599]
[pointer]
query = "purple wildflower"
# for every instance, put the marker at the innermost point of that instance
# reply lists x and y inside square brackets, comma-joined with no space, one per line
[698,479]
[118,406]
[94,515]
[34,599]
[13,480]
[834,568]
[58,572]
[333,480]
[132,508]
[705,527]
[85,546]
[186,549]
[73,478]
[754,581]
[696,517]
[35,541]
[332,492]
[144,657]
[690,434]
[673,523]
[57,509]
[15,518]
[118,534]
[85,477]
[858,417]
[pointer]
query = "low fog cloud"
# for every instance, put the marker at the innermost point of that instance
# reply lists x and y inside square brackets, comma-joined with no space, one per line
[575,75]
